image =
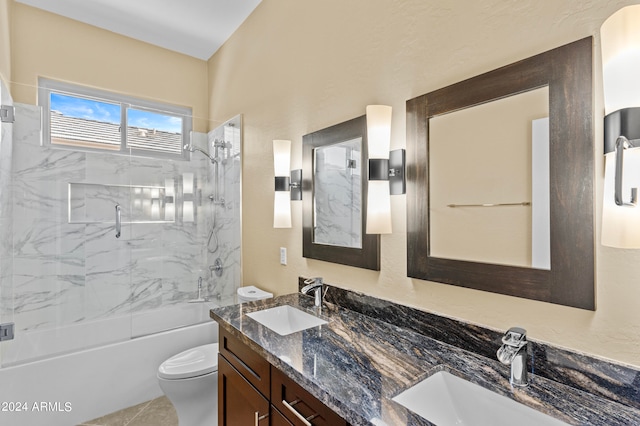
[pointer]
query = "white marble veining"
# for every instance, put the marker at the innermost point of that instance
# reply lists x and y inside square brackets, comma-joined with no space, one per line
[337,193]
[6,215]
[61,264]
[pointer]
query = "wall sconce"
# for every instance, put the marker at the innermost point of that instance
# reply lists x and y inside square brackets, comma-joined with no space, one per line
[386,170]
[288,185]
[620,37]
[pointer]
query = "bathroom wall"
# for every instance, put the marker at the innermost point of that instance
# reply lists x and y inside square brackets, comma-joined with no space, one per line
[47,45]
[70,273]
[296,67]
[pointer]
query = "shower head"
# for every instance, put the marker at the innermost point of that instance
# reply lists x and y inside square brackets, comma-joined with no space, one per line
[192,148]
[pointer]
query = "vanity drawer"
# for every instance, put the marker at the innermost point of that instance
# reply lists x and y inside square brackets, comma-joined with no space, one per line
[296,404]
[277,419]
[252,366]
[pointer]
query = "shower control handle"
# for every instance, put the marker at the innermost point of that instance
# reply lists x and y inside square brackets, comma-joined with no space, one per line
[118,221]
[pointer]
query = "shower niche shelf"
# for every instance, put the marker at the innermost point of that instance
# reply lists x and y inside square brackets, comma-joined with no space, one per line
[94,203]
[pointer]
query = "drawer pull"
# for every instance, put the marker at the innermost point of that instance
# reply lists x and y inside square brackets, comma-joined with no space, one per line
[295,412]
[258,417]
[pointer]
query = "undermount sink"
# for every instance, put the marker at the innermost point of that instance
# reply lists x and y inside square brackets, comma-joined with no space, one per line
[286,319]
[445,399]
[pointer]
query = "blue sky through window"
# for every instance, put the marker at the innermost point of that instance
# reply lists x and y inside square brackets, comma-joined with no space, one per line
[154,120]
[90,109]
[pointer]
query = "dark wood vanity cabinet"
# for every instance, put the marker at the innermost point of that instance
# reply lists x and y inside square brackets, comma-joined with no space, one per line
[253,392]
[239,403]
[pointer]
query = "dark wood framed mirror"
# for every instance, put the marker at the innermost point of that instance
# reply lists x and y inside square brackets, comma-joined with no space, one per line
[335,196]
[569,277]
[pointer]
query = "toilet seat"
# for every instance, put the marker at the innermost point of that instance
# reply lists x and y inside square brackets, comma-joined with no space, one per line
[193,362]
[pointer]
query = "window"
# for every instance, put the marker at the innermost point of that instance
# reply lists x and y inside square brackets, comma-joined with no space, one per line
[82,118]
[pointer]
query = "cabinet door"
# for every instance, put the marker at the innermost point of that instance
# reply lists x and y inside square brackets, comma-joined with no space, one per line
[251,365]
[239,403]
[299,406]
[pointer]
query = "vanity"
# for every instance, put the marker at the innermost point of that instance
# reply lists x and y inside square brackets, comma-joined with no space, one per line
[349,370]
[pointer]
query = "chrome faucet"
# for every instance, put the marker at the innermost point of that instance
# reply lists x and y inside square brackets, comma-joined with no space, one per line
[514,352]
[315,285]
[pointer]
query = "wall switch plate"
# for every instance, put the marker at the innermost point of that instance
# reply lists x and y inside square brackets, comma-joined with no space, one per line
[283,255]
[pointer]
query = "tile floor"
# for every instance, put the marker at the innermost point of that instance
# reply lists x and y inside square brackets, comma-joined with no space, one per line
[157,412]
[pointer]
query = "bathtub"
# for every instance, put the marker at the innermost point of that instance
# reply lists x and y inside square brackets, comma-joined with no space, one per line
[79,385]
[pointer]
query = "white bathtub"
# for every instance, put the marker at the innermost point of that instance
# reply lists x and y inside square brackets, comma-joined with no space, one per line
[68,389]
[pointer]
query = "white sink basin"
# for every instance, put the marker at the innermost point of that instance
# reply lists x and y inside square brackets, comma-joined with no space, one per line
[286,319]
[445,399]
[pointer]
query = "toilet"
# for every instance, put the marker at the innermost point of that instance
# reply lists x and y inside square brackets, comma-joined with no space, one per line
[190,381]
[252,293]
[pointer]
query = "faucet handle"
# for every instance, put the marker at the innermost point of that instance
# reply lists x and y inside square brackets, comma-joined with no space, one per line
[316,280]
[515,336]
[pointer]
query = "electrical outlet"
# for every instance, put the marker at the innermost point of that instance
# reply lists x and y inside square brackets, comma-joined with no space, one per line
[283,255]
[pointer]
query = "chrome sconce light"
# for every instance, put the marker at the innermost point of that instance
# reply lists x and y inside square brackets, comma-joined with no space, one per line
[620,37]
[386,170]
[288,184]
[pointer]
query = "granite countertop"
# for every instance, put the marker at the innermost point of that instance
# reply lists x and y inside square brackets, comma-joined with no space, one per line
[356,364]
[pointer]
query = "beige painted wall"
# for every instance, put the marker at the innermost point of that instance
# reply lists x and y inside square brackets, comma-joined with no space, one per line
[48,45]
[297,66]
[483,155]
[5,41]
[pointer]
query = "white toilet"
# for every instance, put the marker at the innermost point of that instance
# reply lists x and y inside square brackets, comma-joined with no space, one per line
[190,381]
[190,378]
[252,293]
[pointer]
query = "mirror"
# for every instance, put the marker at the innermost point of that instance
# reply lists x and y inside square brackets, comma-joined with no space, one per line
[337,194]
[334,197]
[467,251]
[483,203]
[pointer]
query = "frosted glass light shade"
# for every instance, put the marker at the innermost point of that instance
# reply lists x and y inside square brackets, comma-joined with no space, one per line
[378,207]
[282,209]
[621,224]
[378,131]
[187,183]
[281,157]
[620,36]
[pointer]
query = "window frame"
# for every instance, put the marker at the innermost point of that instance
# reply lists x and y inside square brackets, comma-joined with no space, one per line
[47,86]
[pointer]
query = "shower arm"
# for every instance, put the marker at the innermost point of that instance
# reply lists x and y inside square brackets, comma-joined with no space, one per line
[192,148]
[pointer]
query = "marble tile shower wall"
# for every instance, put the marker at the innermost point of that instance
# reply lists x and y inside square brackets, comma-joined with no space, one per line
[338,196]
[72,271]
[223,215]
[6,211]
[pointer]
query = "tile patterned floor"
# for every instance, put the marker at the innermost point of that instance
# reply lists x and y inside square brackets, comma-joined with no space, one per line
[157,412]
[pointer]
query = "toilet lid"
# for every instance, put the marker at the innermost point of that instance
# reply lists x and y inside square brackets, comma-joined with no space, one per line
[253,293]
[191,363]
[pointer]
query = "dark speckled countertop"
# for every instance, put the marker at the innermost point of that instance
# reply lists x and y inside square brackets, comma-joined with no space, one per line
[355,364]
